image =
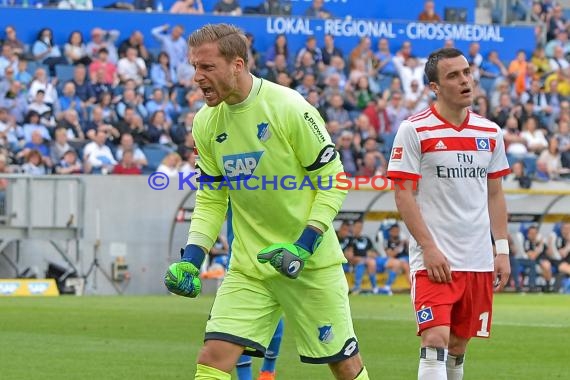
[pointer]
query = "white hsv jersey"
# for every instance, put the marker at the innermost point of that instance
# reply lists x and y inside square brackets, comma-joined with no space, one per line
[452,165]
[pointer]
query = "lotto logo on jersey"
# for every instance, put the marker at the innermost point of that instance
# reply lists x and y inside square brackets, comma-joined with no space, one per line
[483,143]
[424,315]
[397,153]
[241,166]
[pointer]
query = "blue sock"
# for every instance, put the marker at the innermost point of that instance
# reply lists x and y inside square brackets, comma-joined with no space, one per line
[243,368]
[359,270]
[391,277]
[273,349]
[372,278]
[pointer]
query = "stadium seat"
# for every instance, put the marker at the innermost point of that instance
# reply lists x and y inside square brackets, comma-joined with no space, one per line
[154,153]
[64,72]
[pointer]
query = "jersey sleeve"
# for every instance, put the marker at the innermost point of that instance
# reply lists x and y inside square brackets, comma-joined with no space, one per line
[315,151]
[499,166]
[406,154]
[211,199]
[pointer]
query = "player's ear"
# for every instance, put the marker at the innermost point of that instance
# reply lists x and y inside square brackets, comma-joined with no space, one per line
[239,66]
[434,87]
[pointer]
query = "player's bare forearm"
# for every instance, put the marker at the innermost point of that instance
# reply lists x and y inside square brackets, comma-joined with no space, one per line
[411,215]
[497,209]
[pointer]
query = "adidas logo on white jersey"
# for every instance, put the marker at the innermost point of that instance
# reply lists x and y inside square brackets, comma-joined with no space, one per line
[440,145]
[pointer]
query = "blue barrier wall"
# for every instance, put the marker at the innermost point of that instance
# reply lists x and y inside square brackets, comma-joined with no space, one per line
[424,37]
[384,9]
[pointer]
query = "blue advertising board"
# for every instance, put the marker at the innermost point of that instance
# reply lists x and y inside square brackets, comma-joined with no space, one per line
[347,31]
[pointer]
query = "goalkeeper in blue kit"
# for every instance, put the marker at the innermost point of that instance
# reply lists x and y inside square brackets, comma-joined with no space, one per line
[285,254]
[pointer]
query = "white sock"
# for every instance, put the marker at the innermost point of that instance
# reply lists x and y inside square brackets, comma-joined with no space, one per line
[454,365]
[432,363]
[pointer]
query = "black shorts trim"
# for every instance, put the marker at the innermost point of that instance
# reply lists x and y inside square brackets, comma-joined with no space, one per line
[251,348]
[349,349]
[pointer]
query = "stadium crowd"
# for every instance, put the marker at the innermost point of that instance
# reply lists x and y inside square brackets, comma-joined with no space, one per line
[107,104]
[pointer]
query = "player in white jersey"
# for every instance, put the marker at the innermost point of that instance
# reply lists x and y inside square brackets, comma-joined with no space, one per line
[457,159]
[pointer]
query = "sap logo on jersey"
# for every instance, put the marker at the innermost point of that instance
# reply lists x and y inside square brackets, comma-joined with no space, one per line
[241,166]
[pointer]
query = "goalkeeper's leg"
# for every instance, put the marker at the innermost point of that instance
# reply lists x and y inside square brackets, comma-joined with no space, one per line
[217,359]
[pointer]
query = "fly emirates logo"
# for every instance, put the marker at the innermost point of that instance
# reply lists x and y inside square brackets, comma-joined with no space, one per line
[463,169]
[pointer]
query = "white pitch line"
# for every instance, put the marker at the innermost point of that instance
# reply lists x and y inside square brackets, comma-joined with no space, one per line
[495,323]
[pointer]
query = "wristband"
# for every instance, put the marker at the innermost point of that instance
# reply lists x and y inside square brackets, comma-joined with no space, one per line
[502,246]
[193,254]
[309,240]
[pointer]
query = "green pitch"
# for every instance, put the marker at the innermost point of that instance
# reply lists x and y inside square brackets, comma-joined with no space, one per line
[158,338]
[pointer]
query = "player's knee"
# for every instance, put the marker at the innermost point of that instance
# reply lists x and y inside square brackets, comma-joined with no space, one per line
[435,338]
[348,369]
[218,354]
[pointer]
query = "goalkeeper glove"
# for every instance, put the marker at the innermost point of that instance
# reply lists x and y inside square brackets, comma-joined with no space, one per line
[183,278]
[289,258]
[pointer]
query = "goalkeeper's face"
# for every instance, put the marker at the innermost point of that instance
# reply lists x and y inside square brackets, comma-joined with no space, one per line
[217,78]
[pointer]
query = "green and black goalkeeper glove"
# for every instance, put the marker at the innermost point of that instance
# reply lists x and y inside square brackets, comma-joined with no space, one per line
[183,278]
[289,258]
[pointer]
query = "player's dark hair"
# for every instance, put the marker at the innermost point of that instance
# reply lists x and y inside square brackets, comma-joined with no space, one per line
[231,40]
[433,60]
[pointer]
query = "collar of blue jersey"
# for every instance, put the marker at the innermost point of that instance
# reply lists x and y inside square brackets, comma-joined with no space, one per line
[250,98]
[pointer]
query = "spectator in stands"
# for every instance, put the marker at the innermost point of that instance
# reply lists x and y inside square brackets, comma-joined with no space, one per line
[103,71]
[9,131]
[128,144]
[364,52]
[174,44]
[279,65]
[384,58]
[563,141]
[69,100]
[83,88]
[538,14]
[14,100]
[194,101]
[103,39]
[131,99]
[60,144]
[535,253]
[558,60]
[84,5]
[135,40]
[34,164]
[186,147]
[515,144]
[330,50]
[363,130]
[396,255]
[317,10]
[481,106]
[376,113]
[344,238]
[163,103]
[348,152]
[187,7]
[227,7]
[493,67]
[22,75]
[560,41]
[556,23]
[314,99]
[279,47]
[8,59]
[45,51]
[39,105]
[7,80]
[75,50]
[504,108]
[127,164]
[108,108]
[549,163]
[533,136]
[312,48]
[333,128]
[12,40]
[31,125]
[170,165]
[97,122]
[271,7]
[132,67]
[158,129]
[4,169]
[410,69]
[69,163]
[535,94]
[98,155]
[37,143]
[541,62]
[336,68]
[337,112]
[417,99]
[162,73]
[306,66]
[361,95]
[371,165]
[474,55]
[133,124]
[428,14]
[185,75]
[70,121]
[396,111]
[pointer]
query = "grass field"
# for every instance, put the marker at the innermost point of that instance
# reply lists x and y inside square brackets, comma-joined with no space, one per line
[159,337]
